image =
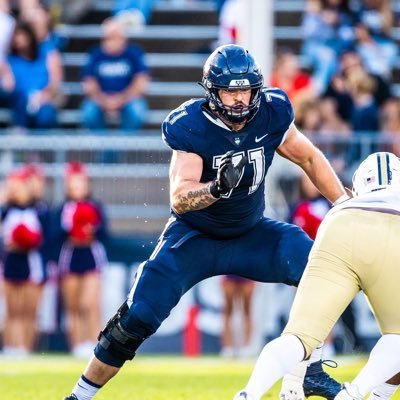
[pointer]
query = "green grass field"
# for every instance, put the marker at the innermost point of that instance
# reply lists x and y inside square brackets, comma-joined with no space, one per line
[146,378]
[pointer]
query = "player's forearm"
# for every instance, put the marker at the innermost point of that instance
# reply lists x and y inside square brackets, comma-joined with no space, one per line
[324,177]
[191,196]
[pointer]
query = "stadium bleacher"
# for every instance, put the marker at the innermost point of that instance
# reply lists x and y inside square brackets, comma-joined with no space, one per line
[176,43]
[189,30]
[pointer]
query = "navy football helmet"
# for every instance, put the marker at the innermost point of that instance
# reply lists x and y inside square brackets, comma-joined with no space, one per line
[232,67]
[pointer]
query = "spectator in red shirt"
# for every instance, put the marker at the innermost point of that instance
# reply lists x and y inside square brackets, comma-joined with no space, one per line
[309,212]
[288,76]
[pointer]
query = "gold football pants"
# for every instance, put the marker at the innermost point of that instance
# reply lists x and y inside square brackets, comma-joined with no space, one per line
[354,250]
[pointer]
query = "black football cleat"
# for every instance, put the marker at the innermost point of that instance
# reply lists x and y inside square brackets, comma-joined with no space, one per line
[318,383]
[71,397]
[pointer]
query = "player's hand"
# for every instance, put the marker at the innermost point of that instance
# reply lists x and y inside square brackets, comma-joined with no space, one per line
[228,175]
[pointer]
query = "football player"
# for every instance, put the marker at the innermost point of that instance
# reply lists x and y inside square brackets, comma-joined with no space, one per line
[356,248]
[222,146]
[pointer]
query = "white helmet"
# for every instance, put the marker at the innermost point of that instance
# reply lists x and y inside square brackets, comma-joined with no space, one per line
[377,171]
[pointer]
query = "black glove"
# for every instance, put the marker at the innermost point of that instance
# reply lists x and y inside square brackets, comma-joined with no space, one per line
[227,176]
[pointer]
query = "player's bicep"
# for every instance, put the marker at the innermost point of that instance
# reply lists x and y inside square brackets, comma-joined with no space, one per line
[296,147]
[184,168]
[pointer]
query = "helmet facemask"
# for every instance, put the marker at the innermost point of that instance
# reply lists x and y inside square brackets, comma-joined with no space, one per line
[234,114]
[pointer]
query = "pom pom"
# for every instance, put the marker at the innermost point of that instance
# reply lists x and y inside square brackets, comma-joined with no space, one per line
[85,220]
[26,238]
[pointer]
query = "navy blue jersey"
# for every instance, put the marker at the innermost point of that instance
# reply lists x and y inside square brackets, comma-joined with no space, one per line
[190,128]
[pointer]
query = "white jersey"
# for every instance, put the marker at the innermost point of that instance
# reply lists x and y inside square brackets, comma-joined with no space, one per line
[385,200]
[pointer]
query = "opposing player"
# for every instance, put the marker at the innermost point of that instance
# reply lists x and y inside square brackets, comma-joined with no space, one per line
[222,148]
[356,248]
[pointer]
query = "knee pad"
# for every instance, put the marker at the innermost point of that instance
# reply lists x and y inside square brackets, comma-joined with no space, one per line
[117,345]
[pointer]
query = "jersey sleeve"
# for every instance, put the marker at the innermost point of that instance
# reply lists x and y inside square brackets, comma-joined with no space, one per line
[175,132]
[281,107]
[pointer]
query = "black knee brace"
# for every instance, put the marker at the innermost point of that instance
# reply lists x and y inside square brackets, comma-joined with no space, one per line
[116,340]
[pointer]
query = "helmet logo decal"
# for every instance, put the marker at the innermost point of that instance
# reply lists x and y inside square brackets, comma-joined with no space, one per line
[239,82]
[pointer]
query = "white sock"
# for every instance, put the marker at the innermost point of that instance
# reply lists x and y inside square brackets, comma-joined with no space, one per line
[299,371]
[328,351]
[293,381]
[85,389]
[383,363]
[383,392]
[316,355]
[276,359]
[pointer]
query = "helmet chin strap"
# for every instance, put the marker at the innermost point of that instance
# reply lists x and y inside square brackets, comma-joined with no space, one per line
[236,126]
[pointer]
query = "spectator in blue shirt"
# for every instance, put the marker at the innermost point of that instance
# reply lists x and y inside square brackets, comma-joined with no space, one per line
[26,78]
[40,20]
[115,81]
[49,42]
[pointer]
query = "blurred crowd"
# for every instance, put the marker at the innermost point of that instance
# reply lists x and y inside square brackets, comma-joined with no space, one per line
[114,79]
[64,242]
[340,80]
[352,54]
